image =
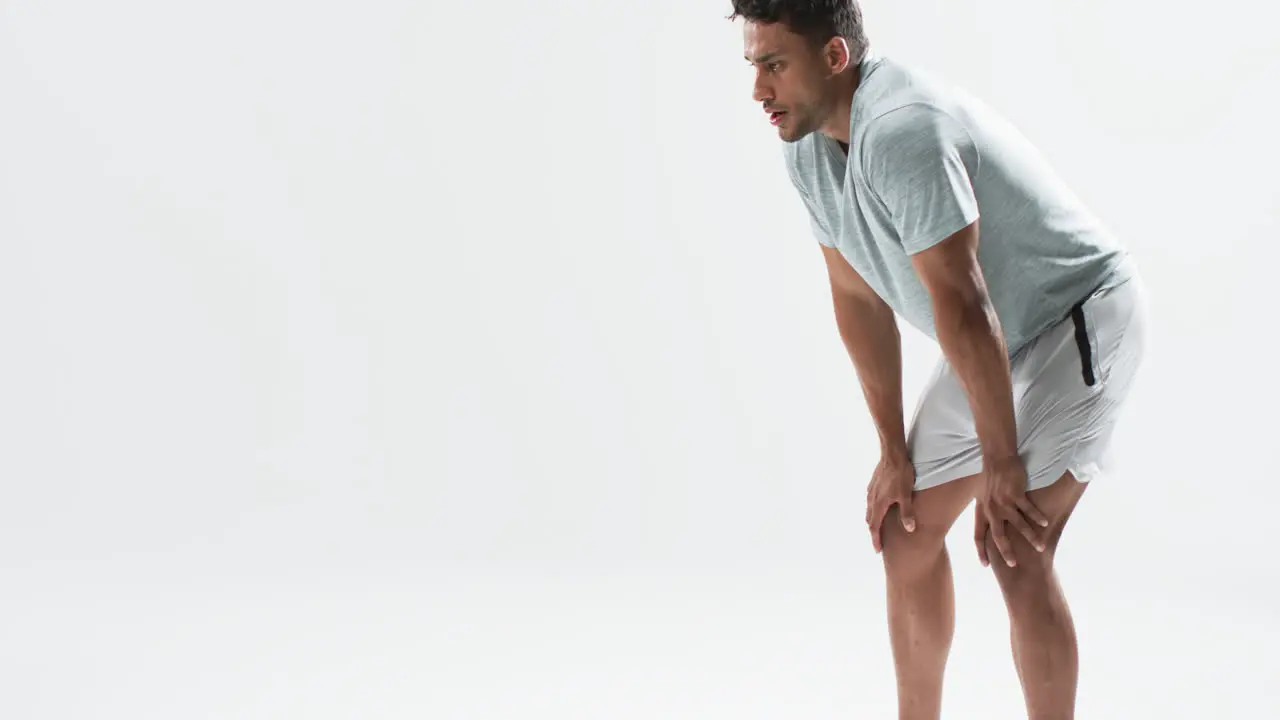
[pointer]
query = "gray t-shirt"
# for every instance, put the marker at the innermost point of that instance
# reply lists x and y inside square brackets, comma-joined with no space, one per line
[925,160]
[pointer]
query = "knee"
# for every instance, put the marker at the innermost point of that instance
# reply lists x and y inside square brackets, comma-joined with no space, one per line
[1031,577]
[909,555]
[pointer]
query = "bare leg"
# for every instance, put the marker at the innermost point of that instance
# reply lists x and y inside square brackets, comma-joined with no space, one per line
[1042,632]
[921,595]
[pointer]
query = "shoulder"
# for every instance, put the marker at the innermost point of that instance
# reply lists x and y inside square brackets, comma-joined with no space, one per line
[915,136]
[912,119]
[902,103]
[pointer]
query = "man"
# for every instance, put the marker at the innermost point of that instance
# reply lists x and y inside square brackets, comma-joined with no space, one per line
[930,206]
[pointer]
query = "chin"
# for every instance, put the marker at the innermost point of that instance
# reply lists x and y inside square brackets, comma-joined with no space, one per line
[789,135]
[795,129]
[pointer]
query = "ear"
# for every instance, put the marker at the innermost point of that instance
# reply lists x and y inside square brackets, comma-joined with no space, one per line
[836,54]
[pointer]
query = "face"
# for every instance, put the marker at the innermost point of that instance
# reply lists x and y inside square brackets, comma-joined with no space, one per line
[793,79]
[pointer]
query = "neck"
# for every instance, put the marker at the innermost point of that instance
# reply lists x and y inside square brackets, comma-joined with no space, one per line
[837,123]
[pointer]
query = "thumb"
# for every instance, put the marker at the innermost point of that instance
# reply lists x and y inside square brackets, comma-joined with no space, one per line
[908,514]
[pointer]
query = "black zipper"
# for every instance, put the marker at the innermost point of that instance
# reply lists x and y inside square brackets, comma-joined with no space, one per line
[1082,342]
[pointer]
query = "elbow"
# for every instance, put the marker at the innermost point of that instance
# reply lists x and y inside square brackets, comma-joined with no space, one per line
[964,312]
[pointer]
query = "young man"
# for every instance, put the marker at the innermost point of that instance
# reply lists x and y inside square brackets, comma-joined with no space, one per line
[930,206]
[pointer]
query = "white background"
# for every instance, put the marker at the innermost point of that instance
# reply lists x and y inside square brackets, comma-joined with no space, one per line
[457,361]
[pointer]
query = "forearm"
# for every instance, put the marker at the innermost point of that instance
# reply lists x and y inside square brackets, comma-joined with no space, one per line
[870,334]
[972,341]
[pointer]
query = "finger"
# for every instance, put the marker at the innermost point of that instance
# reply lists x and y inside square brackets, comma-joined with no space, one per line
[1020,523]
[907,513]
[1003,545]
[877,517]
[1029,509]
[980,527]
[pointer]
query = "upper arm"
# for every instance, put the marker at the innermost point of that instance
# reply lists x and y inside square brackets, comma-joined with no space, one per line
[950,271]
[919,162]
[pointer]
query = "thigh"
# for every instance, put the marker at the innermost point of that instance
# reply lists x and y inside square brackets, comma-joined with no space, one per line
[1057,501]
[941,437]
[936,510]
[1056,397]
[1068,386]
[1071,383]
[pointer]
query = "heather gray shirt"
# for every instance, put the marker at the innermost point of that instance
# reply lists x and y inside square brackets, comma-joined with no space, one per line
[925,160]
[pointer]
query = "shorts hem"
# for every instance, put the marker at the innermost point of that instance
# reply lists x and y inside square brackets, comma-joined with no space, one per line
[1082,470]
[950,474]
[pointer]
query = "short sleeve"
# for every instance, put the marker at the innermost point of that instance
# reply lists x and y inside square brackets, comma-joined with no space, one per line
[816,226]
[920,162]
[819,232]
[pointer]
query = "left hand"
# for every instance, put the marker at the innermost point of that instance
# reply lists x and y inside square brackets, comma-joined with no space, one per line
[1002,500]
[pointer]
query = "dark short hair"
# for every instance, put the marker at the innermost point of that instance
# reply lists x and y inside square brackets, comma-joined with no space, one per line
[816,20]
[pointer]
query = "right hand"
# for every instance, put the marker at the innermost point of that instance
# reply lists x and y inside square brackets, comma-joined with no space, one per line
[892,483]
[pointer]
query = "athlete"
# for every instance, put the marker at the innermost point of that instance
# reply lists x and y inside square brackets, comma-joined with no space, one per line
[930,206]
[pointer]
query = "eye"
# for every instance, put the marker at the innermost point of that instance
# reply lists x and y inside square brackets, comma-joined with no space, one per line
[774,66]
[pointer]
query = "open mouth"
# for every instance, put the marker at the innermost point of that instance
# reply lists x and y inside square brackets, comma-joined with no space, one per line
[776,116]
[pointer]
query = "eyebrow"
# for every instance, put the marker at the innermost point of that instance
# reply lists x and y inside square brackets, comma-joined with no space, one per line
[764,58]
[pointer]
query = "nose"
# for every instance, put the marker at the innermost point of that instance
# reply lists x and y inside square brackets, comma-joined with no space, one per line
[760,91]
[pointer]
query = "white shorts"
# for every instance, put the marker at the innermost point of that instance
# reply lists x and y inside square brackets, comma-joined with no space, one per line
[1069,385]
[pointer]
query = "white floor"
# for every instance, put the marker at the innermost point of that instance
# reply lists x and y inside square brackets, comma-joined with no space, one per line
[616,648]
